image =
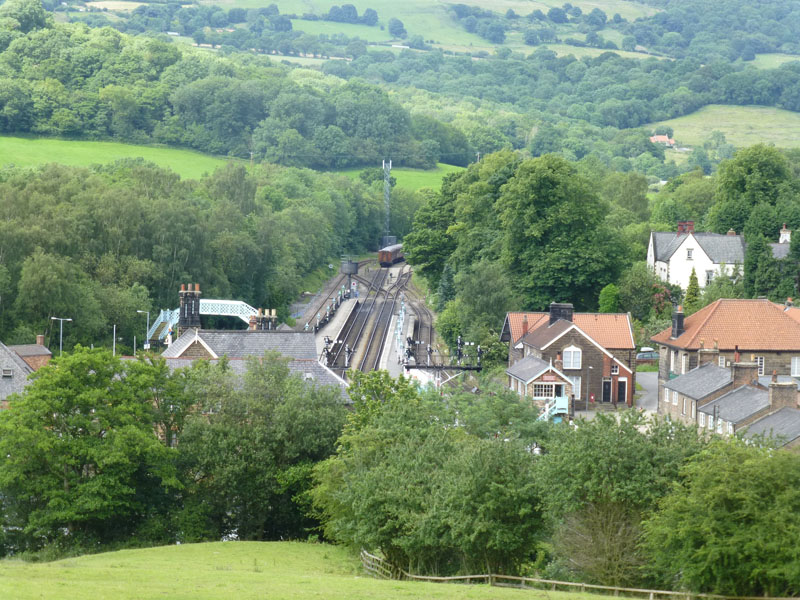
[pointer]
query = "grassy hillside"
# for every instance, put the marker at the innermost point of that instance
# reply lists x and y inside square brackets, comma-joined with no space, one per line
[31,151]
[773,60]
[239,570]
[742,126]
[414,179]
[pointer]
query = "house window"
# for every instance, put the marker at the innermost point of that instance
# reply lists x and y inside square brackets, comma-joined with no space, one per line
[709,277]
[684,362]
[543,390]
[722,361]
[572,358]
[666,396]
[683,406]
[576,386]
[711,422]
[675,398]
[730,428]
[689,252]
[760,363]
[719,425]
[702,419]
[615,369]
[694,410]
[8,373]
[796,366]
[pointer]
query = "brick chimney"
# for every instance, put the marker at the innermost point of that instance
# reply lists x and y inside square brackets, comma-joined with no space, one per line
[677,323]
[781,394]
[685,227]
[560,311]
[524,325]
[786,236]
[731,232]
[40,340]
[559,363]
[189,315]
[707,355]
[744,373]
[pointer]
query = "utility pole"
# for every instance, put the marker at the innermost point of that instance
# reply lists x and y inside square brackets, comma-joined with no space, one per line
[61,333]
[387,192]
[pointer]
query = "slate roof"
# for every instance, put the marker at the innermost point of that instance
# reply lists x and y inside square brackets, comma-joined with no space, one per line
[728,249]
[243,343]
[780,251]
[749,324]
[784,424]
[700,381]
[31,350]
[741,403]
[765,380]
[19,372]
[528,368]
[610,330]
[546,333]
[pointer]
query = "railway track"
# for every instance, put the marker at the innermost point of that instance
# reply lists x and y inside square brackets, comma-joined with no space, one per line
[354,327]
[328,298]
[377,339]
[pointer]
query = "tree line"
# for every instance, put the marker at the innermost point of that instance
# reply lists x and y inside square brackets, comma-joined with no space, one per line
[99,244]
[99,454]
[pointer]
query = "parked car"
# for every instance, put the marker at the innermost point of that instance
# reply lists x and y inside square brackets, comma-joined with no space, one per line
[649,355]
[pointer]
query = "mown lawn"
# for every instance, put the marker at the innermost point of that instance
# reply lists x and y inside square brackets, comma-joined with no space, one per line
[772,61]
[232,570]
[742,126]
[32,151]
[413,179]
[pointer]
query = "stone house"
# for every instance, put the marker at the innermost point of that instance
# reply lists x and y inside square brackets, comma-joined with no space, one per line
[594,351]
[35,355]
[13,374]
[538,380]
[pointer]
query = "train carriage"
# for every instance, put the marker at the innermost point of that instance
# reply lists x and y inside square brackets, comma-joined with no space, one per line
[390,255]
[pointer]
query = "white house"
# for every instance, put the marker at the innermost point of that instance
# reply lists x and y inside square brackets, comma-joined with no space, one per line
[673,255]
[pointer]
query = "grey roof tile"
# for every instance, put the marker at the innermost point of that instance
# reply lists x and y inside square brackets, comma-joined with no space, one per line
[243,343]
[783,424]
[780,251]
[739,404]
[543,335]
[765,380]
[700,381]
[728,249]
[31,350]
[527,368]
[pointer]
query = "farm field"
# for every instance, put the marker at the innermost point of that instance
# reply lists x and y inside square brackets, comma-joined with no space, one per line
[241,570]
[772,61]
[413,179]
[742,126]
[32,151]
[430,19]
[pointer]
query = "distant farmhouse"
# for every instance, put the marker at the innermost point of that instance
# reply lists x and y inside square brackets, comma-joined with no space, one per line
[590,356]
[663,140]
[673,255]
[17,363]
[731,367]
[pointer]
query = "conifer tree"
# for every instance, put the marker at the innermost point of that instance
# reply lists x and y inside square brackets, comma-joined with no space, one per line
[692,300]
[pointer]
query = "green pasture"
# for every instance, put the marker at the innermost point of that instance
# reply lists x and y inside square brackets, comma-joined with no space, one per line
[772,61]
[413,179]
[429,18]
[365,32]
[742,126]
[32,151]
[240,570]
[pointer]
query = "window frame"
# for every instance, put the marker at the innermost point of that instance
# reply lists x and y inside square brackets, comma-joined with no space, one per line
[573,380]
[574,352]
[615,369]
[689,254]
[703,420]
[760,362]
[795,372]
[540,386]
[674,398]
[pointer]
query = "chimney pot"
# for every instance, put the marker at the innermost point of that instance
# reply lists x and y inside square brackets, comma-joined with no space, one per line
[40,340]
[183,287]
[774,375]
[196,287]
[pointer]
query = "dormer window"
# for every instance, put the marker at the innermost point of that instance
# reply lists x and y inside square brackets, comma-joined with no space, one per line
[572,357]
[689,252]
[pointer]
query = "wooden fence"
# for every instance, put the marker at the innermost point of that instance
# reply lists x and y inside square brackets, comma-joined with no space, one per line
[382,569]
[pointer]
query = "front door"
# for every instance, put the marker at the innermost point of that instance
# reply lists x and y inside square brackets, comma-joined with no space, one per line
[559,390]
[606,390]
[622,391]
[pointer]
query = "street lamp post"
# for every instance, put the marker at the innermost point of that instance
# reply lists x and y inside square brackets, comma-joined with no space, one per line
[588,386]
[146,345]
[60,334]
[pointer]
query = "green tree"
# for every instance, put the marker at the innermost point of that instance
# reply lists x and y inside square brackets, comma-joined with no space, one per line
[81,463]
[608,300]
[691,302]
[396,28]
[713,537]
[28,14]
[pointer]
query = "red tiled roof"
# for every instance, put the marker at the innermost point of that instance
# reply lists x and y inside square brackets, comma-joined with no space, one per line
[610,330]
[749,324]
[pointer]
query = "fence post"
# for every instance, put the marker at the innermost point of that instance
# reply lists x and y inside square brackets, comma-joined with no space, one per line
[491,579]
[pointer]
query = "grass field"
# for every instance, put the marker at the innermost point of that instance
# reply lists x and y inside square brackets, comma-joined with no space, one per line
[369,34]
[742,126]
[235,570]
[772,61]
[32,151]
[413,179]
